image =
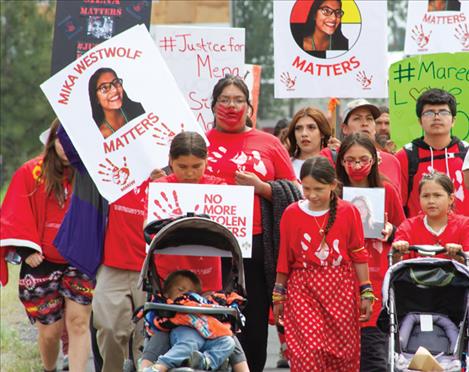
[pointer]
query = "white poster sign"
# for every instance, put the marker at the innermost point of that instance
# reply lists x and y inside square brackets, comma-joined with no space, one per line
[135,87]
[437,26]
[336,49]
[230,206]
[198,57]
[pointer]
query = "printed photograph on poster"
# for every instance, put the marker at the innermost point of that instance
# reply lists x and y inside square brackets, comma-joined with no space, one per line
[198,57]
[370,204]
[230,206]
[327,45]
[121,107]
[437,26]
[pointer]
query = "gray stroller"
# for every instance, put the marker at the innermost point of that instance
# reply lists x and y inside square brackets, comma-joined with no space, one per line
[425,303]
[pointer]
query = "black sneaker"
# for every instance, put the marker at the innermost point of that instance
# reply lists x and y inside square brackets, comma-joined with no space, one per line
[198,360]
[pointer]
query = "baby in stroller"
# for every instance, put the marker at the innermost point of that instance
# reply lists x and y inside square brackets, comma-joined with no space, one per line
[199,341]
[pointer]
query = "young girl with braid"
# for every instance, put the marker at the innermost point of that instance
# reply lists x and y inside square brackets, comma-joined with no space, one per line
[322,260]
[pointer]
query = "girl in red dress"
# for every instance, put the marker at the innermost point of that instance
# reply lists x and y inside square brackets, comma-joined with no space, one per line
[357,166]
[437,225]
[316,292]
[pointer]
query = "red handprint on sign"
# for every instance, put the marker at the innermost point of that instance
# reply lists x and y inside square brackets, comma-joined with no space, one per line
[419,36]
[164,135]
[287,80]
[113,173]
[364,80]
[462,34]
[167,208]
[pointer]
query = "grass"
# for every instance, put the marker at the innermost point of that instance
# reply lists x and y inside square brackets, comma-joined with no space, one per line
[18,347]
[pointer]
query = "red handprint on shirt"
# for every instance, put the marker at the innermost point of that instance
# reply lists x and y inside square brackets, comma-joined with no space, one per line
[113,173]
[164,135]
[167,208]
[364,80]
[462,34]
[215,156]
[419,36]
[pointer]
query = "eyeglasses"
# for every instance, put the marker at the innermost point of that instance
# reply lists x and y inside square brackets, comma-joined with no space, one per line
[104,88]
[326,11]
[432,114]
[226,101]
[362,161]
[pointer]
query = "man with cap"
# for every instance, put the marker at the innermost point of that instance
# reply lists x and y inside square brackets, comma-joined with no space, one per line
[359,117]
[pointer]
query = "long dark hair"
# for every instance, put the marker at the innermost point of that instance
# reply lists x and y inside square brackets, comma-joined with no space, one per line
[360,139]
[238,83]
[319,119]
[54,169]
[188,143]
[96,109]
[338,40]
[319,168]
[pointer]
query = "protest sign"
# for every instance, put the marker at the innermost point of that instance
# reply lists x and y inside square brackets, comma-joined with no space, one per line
[252,78]
[198,57]
[410,77]
[370,204]
[82,24]
[230,206]
[436,26]
[146,100]
[350,62]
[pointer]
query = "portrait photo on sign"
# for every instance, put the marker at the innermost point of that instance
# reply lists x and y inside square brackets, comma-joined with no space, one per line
[110,105]
[370,204]
[325,28]
[444,5]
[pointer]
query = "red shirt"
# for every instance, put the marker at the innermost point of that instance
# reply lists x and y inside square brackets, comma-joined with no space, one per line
[378,250]
[252,151]
[389,166]
[414,231]
[31,218]
[208,269]
[300,242]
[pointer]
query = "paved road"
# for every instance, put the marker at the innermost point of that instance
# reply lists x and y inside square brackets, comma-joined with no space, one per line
[272,354]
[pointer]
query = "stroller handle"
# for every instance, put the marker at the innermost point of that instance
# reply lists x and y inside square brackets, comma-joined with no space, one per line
[429,250]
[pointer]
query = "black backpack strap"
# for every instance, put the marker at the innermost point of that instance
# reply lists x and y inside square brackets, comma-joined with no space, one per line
[413,161]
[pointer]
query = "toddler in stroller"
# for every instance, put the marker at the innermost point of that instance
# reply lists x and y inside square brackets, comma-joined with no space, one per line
[200,335]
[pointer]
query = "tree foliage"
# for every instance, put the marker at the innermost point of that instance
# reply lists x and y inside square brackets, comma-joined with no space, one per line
[26,39]
[397,17]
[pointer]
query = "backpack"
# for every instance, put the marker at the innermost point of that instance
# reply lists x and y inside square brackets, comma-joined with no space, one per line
[412,152]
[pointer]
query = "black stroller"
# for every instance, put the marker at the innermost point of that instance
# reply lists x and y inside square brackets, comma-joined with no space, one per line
[425,303]
[183,236]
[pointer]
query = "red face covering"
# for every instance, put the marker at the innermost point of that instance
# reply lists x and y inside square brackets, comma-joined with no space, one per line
[360,173]
[229,116]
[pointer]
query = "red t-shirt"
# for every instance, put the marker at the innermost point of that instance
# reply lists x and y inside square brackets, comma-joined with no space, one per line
[414,231]
[378,250]
[31,218]
[300,241]
[124,245]
[389,166]
[208,269]
[252,151]
[447,164]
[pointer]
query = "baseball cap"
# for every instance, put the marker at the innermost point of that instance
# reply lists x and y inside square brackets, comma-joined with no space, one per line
[352,105]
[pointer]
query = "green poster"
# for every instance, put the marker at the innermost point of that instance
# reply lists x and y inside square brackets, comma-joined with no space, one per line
[410,77]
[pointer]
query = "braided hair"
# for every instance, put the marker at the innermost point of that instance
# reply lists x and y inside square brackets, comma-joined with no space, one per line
[319,168]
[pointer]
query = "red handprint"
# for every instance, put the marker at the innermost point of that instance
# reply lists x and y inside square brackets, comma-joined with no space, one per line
[287,80]
[167,208]
[419,36]
[113,173]
[462,34]
[363,79]
[165,135]
[70,26]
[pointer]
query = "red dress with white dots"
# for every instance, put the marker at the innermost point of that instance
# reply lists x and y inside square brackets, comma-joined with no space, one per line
[322,309]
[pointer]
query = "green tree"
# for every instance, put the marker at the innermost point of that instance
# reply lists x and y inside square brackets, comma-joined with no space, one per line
[397,17]
[26,39]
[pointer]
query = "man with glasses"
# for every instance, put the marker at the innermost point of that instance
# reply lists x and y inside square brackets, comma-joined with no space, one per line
[437,150]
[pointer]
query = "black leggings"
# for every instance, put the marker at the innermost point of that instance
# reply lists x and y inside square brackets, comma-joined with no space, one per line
[254,335]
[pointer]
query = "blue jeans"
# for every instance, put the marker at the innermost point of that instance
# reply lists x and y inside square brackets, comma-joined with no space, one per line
[185,340]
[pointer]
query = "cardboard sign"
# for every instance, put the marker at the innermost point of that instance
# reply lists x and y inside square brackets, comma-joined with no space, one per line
[410,77]
[198,57]
[80,25]
[147,98]
[436,26]
[370,204]
[348,63]
[252,78]
[230,206]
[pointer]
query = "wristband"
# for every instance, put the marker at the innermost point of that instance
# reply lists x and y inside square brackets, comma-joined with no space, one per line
[366,287]
[368,295]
